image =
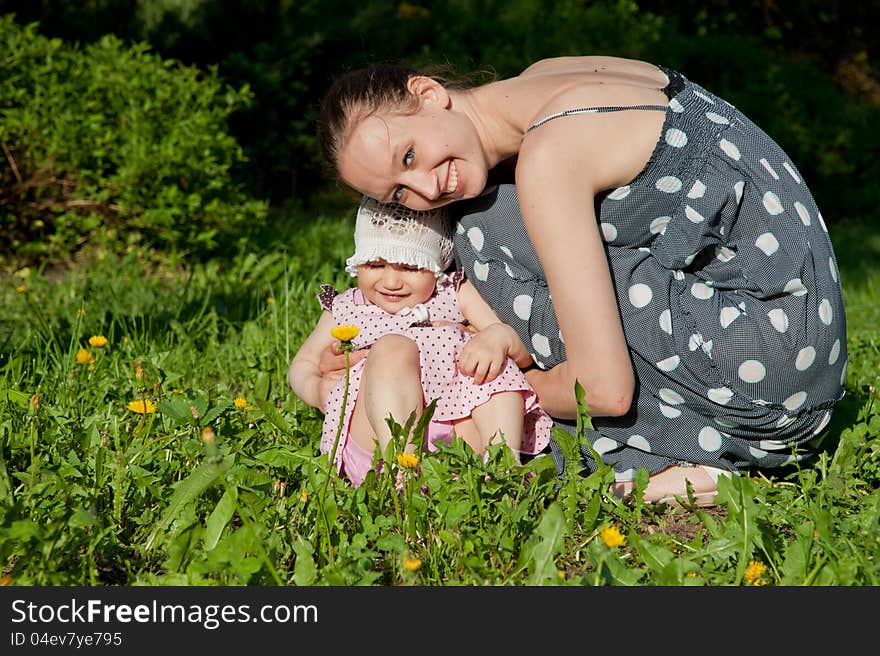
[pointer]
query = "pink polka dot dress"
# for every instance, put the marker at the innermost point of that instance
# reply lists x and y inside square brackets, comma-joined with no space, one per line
[439,348]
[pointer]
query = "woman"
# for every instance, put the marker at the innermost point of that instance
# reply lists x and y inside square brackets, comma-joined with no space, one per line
[657,247]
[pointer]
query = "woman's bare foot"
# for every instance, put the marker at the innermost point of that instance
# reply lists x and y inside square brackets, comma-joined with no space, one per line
[670,483]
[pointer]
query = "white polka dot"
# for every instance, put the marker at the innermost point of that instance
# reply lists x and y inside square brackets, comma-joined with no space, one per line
[738,190]
[670,396]
[639,442]
[786,420]
[704,97]
[609,232]
[693,215]
[728,314]
[772,203]
[832,267]
[542,345]
[695,341]
[640,295]
[843,372]
[668,183]
[721,395]
[822,221]
[697,190]
[791,172]
[729,149]
[676,106]
[752,371]
[802,212]
[795,287]
[604,444]
[725,422]
[620,192]
[709,439]
[795,401]
[707,348]
[522,306]
[481,270]
[823,423]
[767,243]
[702,291]
[678,274]
[779,319]
[561,339]
[669,364]
[666,321]
[658,225]
[834,353]
[805,358]
[506,251]
[508,270]
[475,236]
[676,138]
[717,118]
[826,314]
[724,254]
[669,412]
[773,445]
[757,453]
[769,168]
[459,228]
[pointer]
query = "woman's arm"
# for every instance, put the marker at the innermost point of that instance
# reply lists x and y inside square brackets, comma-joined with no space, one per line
[560,169]
[304,375]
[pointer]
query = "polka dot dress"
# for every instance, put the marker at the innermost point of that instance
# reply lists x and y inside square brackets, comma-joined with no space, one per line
[439,348]
[728,292]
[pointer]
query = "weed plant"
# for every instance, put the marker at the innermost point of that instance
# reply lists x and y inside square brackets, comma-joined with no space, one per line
[176,454]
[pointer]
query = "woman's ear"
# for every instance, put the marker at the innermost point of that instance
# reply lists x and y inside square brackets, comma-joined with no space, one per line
[428,89]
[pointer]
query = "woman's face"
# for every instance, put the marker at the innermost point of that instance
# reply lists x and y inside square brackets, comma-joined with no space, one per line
[395,286]
[422,160]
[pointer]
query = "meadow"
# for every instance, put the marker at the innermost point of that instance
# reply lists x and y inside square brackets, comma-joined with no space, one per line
[148,436]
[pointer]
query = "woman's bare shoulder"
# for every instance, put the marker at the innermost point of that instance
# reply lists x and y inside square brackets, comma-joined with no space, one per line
[587,63]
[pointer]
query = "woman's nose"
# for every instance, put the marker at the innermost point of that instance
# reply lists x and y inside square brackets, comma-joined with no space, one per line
[425,183]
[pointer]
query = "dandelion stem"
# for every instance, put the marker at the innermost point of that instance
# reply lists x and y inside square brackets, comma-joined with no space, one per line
[332,468]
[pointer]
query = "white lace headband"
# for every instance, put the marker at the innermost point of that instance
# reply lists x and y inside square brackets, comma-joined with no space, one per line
[399,235]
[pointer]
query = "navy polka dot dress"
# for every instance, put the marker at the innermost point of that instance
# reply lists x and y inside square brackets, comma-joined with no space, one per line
[727,287]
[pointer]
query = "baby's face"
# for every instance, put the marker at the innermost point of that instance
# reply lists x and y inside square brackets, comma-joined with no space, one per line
[395,286]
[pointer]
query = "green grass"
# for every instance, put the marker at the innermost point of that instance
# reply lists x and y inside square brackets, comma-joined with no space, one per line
[92,493]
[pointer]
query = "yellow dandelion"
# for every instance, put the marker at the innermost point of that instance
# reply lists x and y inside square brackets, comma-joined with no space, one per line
[408,460]
[304,496]
[411,563]
[84,357]
[21,289]
[6,579]
[142,406]
[345,333]
[98,341]
[560,574]
[240,402]
[139,372]
[126,339]
[754,572]
[208,435]
[80,312]
[270,300]
[35,400]
[612,537]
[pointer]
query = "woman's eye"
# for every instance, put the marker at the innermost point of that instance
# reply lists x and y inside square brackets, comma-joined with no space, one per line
[397,195]
[409,156]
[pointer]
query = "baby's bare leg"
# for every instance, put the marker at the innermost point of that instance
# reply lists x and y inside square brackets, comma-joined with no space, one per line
[467,430]
[504,412]
[391,384]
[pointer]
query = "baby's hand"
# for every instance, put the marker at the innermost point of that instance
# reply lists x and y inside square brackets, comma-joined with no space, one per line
[485,354]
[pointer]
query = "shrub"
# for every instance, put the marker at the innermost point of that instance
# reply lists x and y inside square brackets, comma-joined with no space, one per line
[111,140]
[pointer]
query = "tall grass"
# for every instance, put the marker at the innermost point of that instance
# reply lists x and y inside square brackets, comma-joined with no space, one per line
[222,483]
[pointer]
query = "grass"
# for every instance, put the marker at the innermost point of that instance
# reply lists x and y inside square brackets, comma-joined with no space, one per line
[206,492]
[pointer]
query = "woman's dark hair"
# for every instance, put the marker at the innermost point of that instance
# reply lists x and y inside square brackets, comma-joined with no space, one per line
[356,94]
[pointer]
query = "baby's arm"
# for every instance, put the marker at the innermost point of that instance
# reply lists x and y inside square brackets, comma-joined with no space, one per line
[484,355]
[304,374]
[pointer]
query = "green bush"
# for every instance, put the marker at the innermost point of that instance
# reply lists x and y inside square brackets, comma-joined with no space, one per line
[113,141]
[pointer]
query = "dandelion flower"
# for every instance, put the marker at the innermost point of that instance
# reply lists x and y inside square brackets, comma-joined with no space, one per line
[411,563]
[80,312]
[21,289]
[304,496]
[84,357]
[408,460]
[6,579]
[139,372]
[754,572]
[612,537]
[270,300]
[345,333]
[35,400]
[142,407]
[208,435]
[240,402]
[98,341]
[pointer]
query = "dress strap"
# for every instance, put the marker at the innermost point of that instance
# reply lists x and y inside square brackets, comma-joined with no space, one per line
[594,110]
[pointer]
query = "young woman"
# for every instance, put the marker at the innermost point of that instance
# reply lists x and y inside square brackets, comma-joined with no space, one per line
[658,247]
